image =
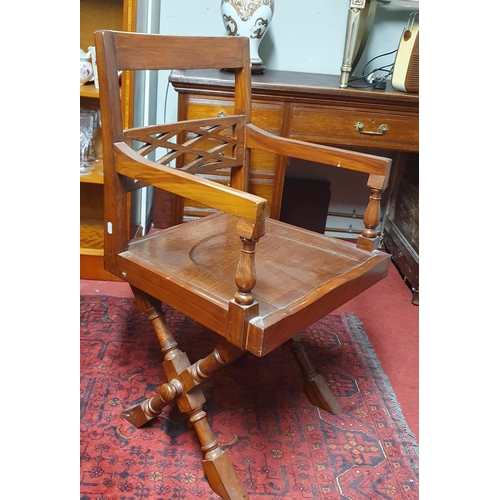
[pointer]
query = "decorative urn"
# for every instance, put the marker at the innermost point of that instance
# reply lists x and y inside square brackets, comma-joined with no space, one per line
[249,18]
[86,72]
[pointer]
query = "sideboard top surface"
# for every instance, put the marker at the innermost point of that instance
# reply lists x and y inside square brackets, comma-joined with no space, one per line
[290,84]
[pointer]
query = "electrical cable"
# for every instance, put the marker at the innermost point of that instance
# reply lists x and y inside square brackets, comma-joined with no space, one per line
[376,83]
[166,96]
[165,108]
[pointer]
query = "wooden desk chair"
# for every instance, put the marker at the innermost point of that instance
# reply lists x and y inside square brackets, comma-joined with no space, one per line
[254,281]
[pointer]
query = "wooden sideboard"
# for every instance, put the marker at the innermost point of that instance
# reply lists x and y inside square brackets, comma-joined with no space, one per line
[312,107]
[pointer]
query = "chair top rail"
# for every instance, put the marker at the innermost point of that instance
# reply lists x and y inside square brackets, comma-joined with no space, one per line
[176,52]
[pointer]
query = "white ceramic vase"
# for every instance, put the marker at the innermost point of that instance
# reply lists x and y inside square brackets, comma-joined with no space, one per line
[249,18]
[86,72]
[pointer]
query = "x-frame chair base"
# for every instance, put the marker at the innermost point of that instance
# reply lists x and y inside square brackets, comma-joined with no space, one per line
[183,387]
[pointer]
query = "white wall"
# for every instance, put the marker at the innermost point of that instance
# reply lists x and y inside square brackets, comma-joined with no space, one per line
[299,38]
[309,38]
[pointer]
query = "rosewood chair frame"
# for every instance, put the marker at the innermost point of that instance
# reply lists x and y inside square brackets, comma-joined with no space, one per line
[254,281]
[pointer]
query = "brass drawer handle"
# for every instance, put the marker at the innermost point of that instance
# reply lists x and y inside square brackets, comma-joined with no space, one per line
[221,114]
[381,130]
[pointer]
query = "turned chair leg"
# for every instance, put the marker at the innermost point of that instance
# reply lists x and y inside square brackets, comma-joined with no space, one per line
[183,388]
[315,387]
[141,413]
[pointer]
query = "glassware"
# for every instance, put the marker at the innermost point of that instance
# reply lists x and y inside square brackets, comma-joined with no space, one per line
[86,130]
[95,113]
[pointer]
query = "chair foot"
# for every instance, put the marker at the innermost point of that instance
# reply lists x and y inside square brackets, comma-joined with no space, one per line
[223,479]
[320,395]
[217,465]
[138,415]
[315,387]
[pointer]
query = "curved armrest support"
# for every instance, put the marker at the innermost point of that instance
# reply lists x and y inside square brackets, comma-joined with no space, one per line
[378,167]
[250,208]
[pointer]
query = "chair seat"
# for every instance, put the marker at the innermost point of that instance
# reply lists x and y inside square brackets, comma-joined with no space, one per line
[301,275]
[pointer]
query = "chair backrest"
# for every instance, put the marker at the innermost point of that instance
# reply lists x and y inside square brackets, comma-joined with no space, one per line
[135,51]
[195,146]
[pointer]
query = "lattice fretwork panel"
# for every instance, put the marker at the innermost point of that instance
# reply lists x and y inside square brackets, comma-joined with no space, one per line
[196,147]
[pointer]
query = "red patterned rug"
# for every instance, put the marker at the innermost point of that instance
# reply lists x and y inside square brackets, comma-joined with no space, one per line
[281,446]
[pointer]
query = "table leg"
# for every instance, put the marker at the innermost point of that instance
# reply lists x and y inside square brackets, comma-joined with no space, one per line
[359,22]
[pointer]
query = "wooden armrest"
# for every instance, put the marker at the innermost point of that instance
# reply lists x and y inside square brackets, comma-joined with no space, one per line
[378,167]
[247,206]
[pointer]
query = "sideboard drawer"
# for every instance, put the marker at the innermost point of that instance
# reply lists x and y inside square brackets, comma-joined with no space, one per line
[348,127]
[265,115]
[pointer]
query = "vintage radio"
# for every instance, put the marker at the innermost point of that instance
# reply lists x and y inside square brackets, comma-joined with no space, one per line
[405,73]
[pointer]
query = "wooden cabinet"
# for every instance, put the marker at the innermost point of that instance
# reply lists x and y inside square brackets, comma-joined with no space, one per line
[95,15]
[312,107]
[401,224]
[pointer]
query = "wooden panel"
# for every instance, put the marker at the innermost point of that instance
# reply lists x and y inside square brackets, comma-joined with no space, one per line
[406,210]
[96,15]
[91,201]
[403,206]
[264,114]
[337,126]
[92,268]
[92,237]
[401,226]
[91,220]
[405,259]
